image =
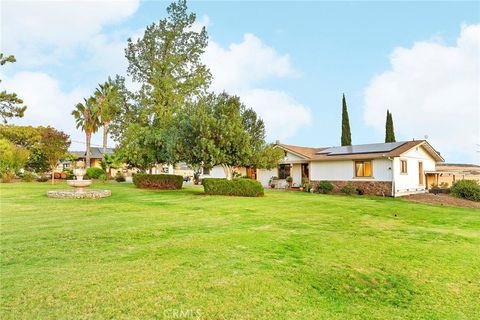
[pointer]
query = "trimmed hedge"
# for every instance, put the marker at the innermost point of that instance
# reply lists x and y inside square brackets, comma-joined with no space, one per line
[235,187]
[468,189]
[94,172]
[158,181]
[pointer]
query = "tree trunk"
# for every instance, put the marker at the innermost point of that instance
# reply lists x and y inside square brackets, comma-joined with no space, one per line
[87,156]
[105,134]
[53,175]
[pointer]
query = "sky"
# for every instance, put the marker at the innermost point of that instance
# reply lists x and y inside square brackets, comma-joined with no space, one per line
[289,61]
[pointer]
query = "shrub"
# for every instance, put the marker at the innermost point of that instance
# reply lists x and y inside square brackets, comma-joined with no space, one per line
[103,177]
[69,173]
[119,177]
[7,177]
[28,176]
[324,187]
[158,181]
[43,178]
[235,187]
[468,189]
[360,191]
[95,173]
[348,189]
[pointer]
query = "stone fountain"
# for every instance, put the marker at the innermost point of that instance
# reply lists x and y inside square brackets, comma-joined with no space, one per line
[79,184]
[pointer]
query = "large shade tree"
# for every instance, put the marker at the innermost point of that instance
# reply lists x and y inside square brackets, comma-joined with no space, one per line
[12,159]
[10,104]
[87,119]
[32,139]
[55,144]
[167,64]
[220,130]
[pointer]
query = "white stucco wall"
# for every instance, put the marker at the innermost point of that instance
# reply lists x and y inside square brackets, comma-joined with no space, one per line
[218,172]
[291,157]
[343,170]
[264,175]
[409,183]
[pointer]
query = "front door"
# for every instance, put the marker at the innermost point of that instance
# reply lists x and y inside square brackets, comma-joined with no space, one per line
[252,173]
[305,172]
[421,175]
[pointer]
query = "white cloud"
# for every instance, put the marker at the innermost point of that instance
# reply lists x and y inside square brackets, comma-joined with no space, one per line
[68,35]
[47,104]
[243,68]
[40,32]
[204,21]
[282,114]
[245,64]
[432,89]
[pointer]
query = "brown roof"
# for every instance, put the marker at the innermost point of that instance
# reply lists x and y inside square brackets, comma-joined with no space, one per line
[313,153]
[304,152]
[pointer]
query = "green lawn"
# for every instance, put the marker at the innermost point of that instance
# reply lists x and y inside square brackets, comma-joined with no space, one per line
[288,255]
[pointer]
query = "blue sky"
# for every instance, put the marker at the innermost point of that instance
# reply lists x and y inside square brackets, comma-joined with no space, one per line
[299,59]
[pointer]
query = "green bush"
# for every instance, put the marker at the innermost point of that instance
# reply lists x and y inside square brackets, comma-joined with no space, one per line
[235,187]
[468,189]
[43,178]
[69,173]
[119,177]
[158,181]
[28,176]
[348,189]
[324,187]
[94,172]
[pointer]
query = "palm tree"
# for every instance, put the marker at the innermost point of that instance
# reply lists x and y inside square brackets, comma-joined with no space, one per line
[108,98]
[87,118]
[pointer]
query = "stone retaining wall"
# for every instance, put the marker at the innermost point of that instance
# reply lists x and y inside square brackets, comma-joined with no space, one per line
[71,194]
[379,188]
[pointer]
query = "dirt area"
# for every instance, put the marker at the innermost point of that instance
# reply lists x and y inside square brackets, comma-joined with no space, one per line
[442,199]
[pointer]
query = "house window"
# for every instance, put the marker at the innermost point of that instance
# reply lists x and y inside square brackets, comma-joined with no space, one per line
[206,171]
[283,171]
[403,166]
[363,168]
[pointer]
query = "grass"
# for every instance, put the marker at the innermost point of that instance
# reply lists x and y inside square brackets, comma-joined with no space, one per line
[288,255]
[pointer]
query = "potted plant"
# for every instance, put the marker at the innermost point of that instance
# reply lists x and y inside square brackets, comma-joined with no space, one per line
[273,182]
[289,180]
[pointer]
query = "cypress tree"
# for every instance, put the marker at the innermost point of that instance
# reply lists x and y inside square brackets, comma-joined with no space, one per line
[389,132]
[346,135]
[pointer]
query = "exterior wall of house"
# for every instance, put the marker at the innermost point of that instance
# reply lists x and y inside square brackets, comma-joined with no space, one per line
[218,172]
[95,163]
[410,183]
[344,170]
[264,175]
[291,157]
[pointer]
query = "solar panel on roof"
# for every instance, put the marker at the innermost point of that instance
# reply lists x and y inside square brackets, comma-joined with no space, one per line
[362,148]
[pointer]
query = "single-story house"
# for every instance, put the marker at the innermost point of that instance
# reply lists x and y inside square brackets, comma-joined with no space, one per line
[389,169]
[96,155]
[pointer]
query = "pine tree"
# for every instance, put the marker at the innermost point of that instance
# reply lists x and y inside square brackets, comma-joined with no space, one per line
[389,132]
[346,135]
